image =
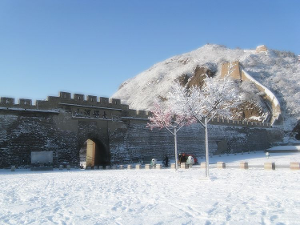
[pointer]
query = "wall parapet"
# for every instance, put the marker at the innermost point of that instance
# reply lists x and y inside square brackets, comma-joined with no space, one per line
[243,123]
[80,101]
[63,97]
[64,100]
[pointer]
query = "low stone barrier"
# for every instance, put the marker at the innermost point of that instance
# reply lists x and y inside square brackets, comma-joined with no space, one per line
[295,166]
[147,166]
[183,165]
[244,165]
[221,165]
[138,166]
[269,166]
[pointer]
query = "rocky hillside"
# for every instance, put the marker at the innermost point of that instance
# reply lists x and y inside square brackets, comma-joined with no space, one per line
[277,70]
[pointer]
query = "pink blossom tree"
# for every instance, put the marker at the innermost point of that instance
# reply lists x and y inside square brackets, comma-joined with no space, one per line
[165,117]
[217,97]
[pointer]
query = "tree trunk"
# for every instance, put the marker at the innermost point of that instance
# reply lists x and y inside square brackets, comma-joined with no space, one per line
[175,143]
[206,149]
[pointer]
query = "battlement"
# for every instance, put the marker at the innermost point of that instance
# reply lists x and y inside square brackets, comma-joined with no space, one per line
[10,103]
[4,101]
[65,101]
[25,102]
[228,122]
[53,102]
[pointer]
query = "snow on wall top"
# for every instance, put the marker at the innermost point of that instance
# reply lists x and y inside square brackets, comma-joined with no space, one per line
[276,105]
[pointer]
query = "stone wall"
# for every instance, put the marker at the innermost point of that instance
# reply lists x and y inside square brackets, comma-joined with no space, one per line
[21,134]
[238,73]
[121,136]
[232,69]
[141,143]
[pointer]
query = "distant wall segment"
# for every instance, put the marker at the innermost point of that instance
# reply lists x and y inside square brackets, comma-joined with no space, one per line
[238,73]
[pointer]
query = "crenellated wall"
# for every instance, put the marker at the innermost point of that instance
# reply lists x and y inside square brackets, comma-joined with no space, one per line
[63,124]
[65,101]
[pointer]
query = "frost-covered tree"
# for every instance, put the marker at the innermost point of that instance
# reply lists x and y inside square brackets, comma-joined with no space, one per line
[217,97]
[164,117]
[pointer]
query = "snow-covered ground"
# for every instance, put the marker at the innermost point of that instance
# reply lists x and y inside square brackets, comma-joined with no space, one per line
[231,196]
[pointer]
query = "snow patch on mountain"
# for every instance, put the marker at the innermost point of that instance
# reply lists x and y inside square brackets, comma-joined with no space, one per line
[277,70]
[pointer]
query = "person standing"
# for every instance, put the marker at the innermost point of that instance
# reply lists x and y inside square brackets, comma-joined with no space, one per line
[166,161]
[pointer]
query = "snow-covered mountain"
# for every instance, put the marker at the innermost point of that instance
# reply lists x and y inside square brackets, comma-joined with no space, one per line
[279,71]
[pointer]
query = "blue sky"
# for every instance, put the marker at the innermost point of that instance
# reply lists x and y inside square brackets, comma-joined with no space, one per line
[92,46]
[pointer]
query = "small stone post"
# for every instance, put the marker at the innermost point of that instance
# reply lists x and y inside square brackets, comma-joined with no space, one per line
[244,165]
[183,165]
[158,166]
[147,166]
[138,166]
[221,165]
[269,166]
[295,166]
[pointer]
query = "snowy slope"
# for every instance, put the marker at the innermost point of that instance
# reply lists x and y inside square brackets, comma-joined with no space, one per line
[278,71]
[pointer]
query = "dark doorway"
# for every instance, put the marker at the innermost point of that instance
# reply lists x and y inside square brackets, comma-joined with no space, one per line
[93,153]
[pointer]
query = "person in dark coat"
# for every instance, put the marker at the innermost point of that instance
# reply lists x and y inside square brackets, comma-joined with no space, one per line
[166,161]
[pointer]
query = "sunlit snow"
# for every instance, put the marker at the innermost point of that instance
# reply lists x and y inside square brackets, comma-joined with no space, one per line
[231,196]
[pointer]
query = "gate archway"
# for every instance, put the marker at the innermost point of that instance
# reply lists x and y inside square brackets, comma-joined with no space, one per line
[93,153]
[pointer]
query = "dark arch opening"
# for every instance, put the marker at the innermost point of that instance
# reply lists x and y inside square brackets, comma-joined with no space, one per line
[296,130]
[94,153]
